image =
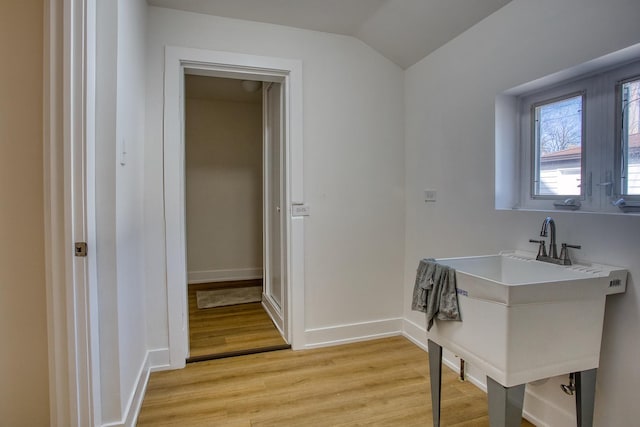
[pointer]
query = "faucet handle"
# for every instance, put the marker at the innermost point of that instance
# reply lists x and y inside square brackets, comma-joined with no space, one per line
[564,253]
[566,245]
[542,250]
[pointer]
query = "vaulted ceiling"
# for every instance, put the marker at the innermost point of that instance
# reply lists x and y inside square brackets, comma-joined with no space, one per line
[404,31]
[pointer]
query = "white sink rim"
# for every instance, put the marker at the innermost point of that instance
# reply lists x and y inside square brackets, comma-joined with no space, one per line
[530,281]
[509,269]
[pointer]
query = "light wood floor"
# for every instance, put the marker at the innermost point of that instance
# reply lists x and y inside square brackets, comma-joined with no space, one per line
[374,383]
[225,330]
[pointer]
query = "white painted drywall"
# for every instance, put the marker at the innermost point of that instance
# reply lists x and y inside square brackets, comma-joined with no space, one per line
[354,163]
[449,107]
[24,391]
[223,187]
[130,137]
[120,118]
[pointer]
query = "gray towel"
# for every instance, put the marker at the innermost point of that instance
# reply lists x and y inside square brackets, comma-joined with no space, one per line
[435,292]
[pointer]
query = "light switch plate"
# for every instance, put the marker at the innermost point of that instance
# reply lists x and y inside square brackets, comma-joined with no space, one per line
[430,195]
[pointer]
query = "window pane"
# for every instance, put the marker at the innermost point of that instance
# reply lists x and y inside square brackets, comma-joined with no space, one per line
[558,147]
[631,138]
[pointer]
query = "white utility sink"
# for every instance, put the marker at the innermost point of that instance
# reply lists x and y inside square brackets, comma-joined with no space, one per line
[524,320]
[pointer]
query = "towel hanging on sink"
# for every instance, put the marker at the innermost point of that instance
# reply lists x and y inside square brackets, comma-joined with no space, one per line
[435,293]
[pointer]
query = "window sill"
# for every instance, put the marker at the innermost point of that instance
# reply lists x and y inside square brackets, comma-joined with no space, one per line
[635,211]
[627,206]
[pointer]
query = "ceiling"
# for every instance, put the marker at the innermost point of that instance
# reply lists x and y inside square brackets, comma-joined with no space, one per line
[404,31]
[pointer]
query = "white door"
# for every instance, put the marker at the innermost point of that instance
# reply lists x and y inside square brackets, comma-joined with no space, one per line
[274,204]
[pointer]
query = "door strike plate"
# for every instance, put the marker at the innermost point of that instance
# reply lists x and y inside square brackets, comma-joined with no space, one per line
[81,249]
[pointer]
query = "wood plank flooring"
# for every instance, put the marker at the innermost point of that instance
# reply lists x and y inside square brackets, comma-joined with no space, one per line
[226,330]
[374,383]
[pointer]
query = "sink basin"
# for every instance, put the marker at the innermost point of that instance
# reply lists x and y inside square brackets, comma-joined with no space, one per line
[523,319]
[517,278]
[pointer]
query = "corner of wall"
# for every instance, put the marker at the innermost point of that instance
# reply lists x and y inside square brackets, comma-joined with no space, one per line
[506,152]
[154,360]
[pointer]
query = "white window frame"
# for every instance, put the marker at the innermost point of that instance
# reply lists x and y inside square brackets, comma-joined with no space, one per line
[601,147]
[618,136]
[534,149]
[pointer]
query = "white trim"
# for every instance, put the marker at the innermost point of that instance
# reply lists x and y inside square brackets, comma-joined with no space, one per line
[353,332]
[274,313]
[68,100]
[159,359]
[90,204]
[207,276]
[295,298]
[134,402]
[542,412]
[178,60]
[273,105]
[59,396]
[154,360]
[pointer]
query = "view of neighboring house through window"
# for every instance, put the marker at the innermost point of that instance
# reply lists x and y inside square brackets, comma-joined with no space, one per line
[557,126]
[630,138]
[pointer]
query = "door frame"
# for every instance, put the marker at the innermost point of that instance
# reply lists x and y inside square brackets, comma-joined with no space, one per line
[273,307]
[181,60]
[69,211]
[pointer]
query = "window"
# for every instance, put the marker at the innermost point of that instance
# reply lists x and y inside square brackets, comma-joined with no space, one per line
[580,143]
[557,127]
[630,138]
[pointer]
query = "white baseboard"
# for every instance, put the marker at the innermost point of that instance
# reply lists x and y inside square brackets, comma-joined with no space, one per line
[537,410]
[134,403]
[224,275]
[159,359]
[343,334]
[154,360]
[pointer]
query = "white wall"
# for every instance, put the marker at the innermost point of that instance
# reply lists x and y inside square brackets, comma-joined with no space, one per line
[353,169]
[24,391]
[120,120]
[129,192]
[223,189]
[449,107]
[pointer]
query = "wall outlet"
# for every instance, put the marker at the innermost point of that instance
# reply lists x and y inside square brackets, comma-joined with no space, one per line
[300,210]
[430,195]
[123,153]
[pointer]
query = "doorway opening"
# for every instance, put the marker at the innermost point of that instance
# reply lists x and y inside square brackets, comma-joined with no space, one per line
[232,168]
[282,81]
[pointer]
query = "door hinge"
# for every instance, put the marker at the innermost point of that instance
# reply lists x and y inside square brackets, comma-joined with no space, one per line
[81,249]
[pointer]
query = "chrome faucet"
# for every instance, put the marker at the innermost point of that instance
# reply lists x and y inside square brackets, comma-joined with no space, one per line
[549,222]
[552,257]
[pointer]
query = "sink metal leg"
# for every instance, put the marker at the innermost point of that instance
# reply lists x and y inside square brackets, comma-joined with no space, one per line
[435,375]
[585,396]
[505,404]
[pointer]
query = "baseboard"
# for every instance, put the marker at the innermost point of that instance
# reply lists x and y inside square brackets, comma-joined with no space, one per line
[343,334]
[159,359]
[224,275]
[537,410]
[134,403]
[154,360]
